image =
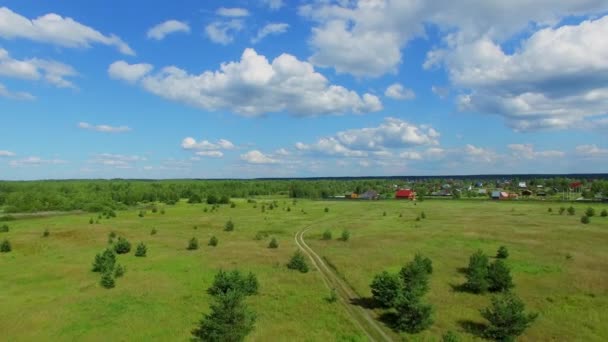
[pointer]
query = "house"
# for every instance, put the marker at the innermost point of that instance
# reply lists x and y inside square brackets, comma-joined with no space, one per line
[482,191]
[443,192]
[513,196]
[405,194]
[369,195]
[499,195]
[522,185]
[575,185]
[479,184]
[352,195]
[495,195]
[526,193]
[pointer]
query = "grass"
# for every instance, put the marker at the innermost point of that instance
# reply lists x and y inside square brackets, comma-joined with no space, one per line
[49,293]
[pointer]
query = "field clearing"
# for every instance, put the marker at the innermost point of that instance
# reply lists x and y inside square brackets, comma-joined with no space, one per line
[559,266]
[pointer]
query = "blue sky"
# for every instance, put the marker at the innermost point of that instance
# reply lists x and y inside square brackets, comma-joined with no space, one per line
[276,88]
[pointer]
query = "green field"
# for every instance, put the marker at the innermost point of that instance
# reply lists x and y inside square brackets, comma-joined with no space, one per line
[48,292]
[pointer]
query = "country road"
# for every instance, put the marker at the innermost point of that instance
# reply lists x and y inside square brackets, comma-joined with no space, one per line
[360,316]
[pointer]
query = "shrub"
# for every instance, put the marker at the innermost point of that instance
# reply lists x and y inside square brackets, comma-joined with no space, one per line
[422,215]
[107,280]
[415,277]
[122,246]
[585,219]
[141,250]
[4,228]
[153,231]
[46,233]
[604,213]
[260,235]
[224,200]
[385,288]
[205,209]
[162,211]
[232,205]
[561,210]
[112,235]
[142,213]
[298,262]
[288,208]
[234,281]
[450,336]
[477,273]
[327,235]
[499,277]
[502,252]
[550,210]
[571,210]
[326,209]
[229,320]
[211,199]
[590,212]
[424,262]
[104,262]
[154,210]
[506,318]
[119,271]
[345,235]
[91,221]
[229,226]
[332,297]
[193,244]
[5,246]
[384,213]
[273,243]
[413,316]
[213,241]
[417,218]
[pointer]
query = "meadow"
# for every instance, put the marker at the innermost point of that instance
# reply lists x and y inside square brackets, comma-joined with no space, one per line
[48,291]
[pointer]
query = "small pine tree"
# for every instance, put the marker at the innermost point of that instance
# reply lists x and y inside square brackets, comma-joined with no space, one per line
[506,318]
[413,315]
[104,262]
[229,320]
[326,209]
[91,221]
[288,208]
[141,250]
[122,246]
[604,213]
[213,241]
[422,215]
[590,212]
[384,213]
[142,213]
[327,235]
[298,262]
[4,228]
[561,210]
[477,273]
[162,211]
[112,235]
[193,244]
[273,243]
[571,211]
[46,233]
[229,226]
[5,246]
[153,231]
[415,277]
[499,277]
[385,288]
[225,282]
[154,210]
[119,271]
[107,280]
[585,219]
[345,235]
[232,205]
[502,252]
[550,210]
[332,297]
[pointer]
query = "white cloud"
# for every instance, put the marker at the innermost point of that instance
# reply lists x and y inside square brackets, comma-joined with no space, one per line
[282,152]
[121,70]
[479,154]
[54,29]
[5,153]
[50,71]
[442,92]
[399,92]
[118,161]
[254,86]
[104,128]
[19,95]
[257,157]
[212,154]
[160,31]
[223,32]
[273,4]
[270,29]
[526,151]
[190,143]
[411,155]
[232,12]
[591,151]
[35,161]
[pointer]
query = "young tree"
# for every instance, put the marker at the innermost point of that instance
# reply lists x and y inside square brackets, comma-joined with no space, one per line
[141,250]
[230,320]
[119,271]
[225,282]
[229,226]
[477,273]
[193,244]
[107,280]
[604,213]
[561,210]
[345,235]
[385,288]
[5,246]
[499,277]
[571,210]
[298,262]
[450,336]
[104,262]
[153,231]
[506,318]
[422,215]
[46,233]
[327,235]
[585,219]
[425,262]
[590,212]
[122,246]
[4,228]
[415,277]
[502,252]
[213,241]
[326,209]
[413,316]
[273,243]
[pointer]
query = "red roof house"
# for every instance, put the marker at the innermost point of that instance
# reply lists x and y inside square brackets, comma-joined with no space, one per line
[405,194]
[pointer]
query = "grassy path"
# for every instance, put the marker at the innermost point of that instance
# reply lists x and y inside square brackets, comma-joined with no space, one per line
[360,316]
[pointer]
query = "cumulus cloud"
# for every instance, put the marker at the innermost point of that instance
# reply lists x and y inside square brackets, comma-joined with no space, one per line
[257,157]
[255,86]
[270,29]
[160,31]
[223,32]
[104,128]
[190,143]
[273,4]
[232,12]
[399,92]
[442,92]
[212,154]
[35,161]
[18,95]
[54,29]
[52,72]
[5,153]
[526,151]
[479,154]
[119,161]
[591,150]
[121,70]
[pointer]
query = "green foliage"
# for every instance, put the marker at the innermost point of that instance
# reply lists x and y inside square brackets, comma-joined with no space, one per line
[195,198]
[571,210]
[327,235]
[561,210]
[107,280]
[162,211]
[326,209]
[91,221]
[234,281]
[46,233]
[122,246]
[4,228]
[590,212]
[104,262]
[232,205]
[550,210]
[119,271]
[385,288]
[506,318]
[424,262]
[477,273]
[332,297]
[384,213]
[153,231]
[413,316]
[273,243]
[142,213]
[604,213]
[229,226]
[193,244]
[230,320]
[502,252]
[585,219]
[224,200]
[154,210]
[422,215]
[499,277]
[211,199]
[415,276]
[298,262]
[450,336]
[345,235]
[5,246]
[112,235]
[213,241]
[141,250]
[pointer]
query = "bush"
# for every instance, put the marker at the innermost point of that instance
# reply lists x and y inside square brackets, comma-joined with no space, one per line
[415,277]
[571,210]
[234,281]
[213,241]
[333,296]
[112,235]
[384,213]
[502,252]
[119,271]
[550,210]
[345,235]
[585,219]
[153,231]
[412,315]
[122,246]
[604,213]
[450,336]
[162,211]
[104,262]
[499,277]
[232,205]
[4,228]
[273,243]
[229,320]
[46,233]
[424,262]
[193,244]
[154,210]
[142,213]
[561,210]
[224,200]
[385,288]
[91,221]
[327,235]
[5,246]
[422,215]
[590,212]
[326,209]
[506,318]
[107,280]
[141,250]
[298,262]
[229,226]
[477,273]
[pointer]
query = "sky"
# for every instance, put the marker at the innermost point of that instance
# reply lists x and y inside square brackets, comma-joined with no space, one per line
[303,88]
